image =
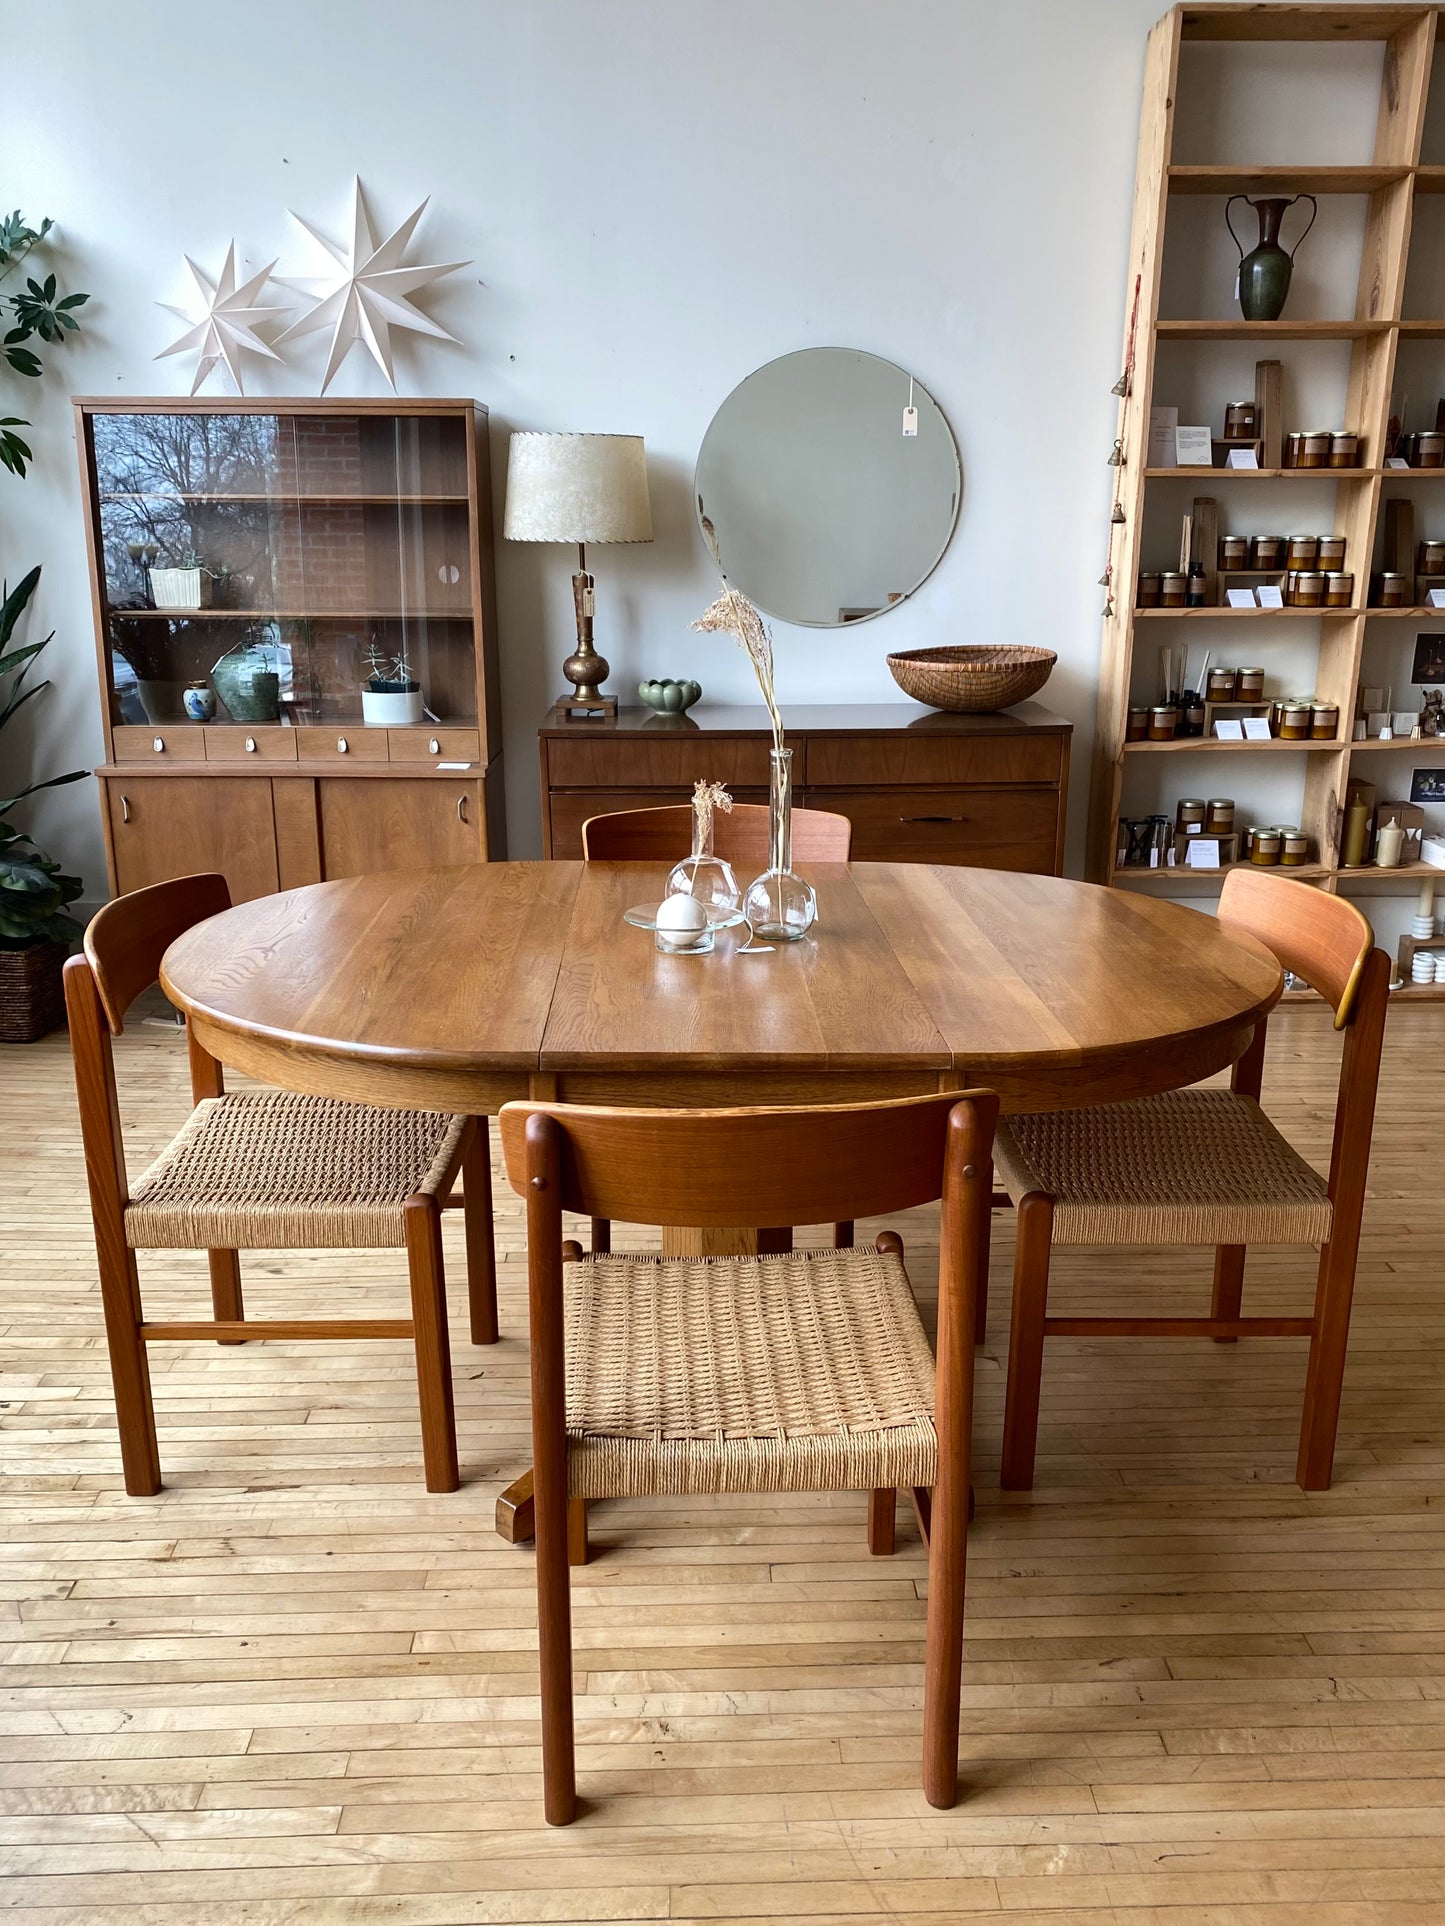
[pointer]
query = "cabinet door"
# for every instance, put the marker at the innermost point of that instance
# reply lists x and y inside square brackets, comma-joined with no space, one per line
[406,822]
[161,827]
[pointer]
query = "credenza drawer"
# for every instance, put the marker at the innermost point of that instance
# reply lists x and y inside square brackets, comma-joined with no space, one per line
[347,742]
[853,762]
[572,807]
[667,762]
[422,743]
[255,744]
[160,742]
[982,828]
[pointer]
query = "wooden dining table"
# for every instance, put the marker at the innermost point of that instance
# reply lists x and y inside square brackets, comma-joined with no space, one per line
[463,989]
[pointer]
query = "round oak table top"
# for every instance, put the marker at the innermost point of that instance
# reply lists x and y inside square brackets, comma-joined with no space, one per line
[463,988]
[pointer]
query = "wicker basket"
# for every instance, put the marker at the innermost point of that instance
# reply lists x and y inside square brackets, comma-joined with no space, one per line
[972,679]
[32,998]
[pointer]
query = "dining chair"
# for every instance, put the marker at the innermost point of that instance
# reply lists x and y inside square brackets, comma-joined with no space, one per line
[261,1170]
[739,835]
[1207,1166]
[806,1371]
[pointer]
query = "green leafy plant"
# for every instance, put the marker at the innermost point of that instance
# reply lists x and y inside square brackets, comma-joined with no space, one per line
[33,891]
[390,674]
[38,313]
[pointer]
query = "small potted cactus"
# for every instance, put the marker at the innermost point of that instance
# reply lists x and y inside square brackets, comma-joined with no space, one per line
[391,695]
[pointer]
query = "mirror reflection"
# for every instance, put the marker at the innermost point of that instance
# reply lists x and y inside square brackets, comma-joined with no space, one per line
[829,481]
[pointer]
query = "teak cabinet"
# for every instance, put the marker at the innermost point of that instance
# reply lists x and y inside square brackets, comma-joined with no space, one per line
[326,533]
[918,785]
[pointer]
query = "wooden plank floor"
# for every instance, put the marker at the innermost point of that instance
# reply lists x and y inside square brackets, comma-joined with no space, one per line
[296,1688]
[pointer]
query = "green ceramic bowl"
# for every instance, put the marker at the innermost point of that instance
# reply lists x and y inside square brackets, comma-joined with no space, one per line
[669,698]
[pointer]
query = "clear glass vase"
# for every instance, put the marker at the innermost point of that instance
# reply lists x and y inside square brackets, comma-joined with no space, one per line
[780,906]
[702,875]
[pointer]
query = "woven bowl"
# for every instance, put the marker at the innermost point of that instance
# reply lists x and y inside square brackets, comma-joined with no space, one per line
[972,679]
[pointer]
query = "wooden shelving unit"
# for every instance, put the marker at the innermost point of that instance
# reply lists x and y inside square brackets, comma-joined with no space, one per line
[1166,187]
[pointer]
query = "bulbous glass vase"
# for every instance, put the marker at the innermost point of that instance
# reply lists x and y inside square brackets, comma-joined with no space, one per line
[780,904]
[702,875]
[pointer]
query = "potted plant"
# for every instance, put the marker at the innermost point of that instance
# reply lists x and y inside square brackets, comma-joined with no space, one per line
[35,932]
[391,696]
[186,584]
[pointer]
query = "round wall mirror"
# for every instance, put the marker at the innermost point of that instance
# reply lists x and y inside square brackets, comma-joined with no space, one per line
[828,502]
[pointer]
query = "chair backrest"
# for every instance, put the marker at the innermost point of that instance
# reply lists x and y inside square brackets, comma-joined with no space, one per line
[755,1166]
[740,835]
[1322,938]
[125,940]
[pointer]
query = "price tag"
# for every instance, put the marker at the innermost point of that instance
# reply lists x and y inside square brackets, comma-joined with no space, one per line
[1436,598]
[1396,461]
[910,421]
[1269,597]
[1229,731]
[1241,458]
[1202,853]
[1241,598]
[1256,728]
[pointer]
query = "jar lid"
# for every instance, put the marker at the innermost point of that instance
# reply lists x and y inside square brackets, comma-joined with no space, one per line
[1221,802]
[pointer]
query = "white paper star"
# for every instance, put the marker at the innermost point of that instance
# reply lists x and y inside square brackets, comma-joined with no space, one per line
[370,298]
[228,324]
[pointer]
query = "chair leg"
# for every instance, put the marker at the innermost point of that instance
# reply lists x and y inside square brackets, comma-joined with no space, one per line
[481,1248]
[882,1520]
[843,1234]
[601,1236]
[1026,1342]
[775,1242]
[980,1292]
[423,1224]
[1325,1373]
[130,1373]
[578,1549]
[226,1290]
[1228,1284]
[554,1643]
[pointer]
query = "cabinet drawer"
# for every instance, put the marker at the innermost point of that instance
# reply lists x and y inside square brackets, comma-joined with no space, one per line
[255,744]
[425,744]
[161,742]
[572,807]
[853,761]
[983,828]
[347,742]
[667,762]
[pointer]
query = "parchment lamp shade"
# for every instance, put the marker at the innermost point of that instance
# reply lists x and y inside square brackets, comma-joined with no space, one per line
[579,488]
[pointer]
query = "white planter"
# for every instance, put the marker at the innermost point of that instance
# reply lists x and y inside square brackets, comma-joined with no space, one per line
[179,588]
[383,711]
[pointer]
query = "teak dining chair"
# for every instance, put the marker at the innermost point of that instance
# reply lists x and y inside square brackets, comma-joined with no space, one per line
[261,1170]
[807,1371]
[740,836]
[1208,1167]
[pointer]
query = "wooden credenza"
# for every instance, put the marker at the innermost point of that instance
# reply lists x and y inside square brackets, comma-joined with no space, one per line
[918,785]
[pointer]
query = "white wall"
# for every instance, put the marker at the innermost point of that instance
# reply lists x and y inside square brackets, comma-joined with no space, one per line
[658,196]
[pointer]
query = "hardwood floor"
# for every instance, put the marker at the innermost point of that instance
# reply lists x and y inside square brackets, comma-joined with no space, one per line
[296,1688]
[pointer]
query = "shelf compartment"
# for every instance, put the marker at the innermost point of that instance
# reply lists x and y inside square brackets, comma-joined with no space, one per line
[1152,878]
[1195,471]
[284,500]
[1240,330]
[1273,747]
[1254,615]
[1284,180]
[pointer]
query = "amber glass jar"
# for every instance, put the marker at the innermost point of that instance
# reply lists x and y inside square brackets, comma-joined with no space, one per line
[1390,592]
[1294,722]
[1249,684]
[1339,589]
[1172,588]
[1268,551]
[1138,726]
[1221,685]
[1304,551]
[1308,591]
[1163,721]
[1234,551]
[1148,591]
[1219,816]
[1189,815]
[1344,449]
[1266,845]
[1315,449]
[1324,721]
[1294,849]
[1331,552]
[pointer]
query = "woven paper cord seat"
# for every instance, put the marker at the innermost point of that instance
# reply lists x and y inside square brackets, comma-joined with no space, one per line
[270,1170]
[1188,1167]
[808,1372]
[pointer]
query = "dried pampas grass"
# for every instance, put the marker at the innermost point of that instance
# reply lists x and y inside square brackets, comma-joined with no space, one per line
[734,614]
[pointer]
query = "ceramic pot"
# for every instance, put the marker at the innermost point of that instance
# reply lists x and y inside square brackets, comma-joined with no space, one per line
[200,701]
[162,698]
[1264,273]
[669,698]
[246,681]
[390,708]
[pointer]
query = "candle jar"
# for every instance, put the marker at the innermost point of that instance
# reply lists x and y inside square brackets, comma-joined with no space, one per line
[1339,589]
[1239,420]
[1189,815]
[1432,558]
[1428,450]
[1344,449]
[1137,729]
[1315,448]
[1304,551]
[1265,846]
[1219,816]
[1331,553]
[1294,721]
[1233,551]
[1390,590]
[1267,551]
[1294,848]
[1249,684]
[1309,589]
[1324,721]
[1172,586]
[1389,845]
[1163,721]
[1221,685]
[1148,591]
[1294,447]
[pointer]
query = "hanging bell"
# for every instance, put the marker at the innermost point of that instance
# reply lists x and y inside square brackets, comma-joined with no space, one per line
[1118,514]
[1116,454]
[1106,578]
[1121,386]
[1108,608]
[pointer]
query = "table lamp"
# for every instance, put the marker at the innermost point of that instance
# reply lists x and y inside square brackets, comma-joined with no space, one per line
[579,488]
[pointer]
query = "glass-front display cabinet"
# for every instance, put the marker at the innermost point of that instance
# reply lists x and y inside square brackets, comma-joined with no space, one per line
[296,596]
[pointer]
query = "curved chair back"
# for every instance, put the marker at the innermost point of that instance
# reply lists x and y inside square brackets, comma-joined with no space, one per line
[740,836]
[1324,939]
[125,940]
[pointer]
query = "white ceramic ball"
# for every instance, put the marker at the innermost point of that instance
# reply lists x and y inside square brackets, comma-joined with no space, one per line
[681,916]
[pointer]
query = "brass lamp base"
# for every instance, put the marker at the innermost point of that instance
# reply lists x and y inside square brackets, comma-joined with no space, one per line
[585,669]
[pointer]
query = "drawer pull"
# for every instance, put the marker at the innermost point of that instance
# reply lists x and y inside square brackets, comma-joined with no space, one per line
[250,745]
[933,819]
[342,745]
[159,745]
[125,809]
[434,747]
[461,809]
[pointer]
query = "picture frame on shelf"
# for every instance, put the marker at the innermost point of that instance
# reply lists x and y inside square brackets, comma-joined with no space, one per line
[1427,786]
[1429,663]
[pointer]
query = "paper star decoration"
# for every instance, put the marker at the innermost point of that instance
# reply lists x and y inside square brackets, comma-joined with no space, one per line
[370,297]
[228,324]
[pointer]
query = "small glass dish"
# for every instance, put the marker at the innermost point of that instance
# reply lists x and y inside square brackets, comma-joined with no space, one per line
[643,916]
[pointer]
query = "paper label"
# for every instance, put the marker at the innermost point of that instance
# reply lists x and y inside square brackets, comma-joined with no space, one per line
[1241,598]
[1229,731]
[1241,458]
[1269,597]
[1396,461]
[1203,854]
[1193,448]
[1162,424]
[1256,728]
[1436,598]
[910,421]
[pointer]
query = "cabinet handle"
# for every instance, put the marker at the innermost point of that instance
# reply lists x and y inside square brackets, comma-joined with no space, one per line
[933,819]
[341,745]
[250,745]
[125,809]
[461,809]
[159,745]
[434,747]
